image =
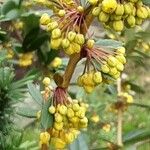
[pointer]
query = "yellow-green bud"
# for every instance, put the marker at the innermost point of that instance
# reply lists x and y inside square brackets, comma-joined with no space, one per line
[121,50]
[65,43]
[113,71]
[90,44]
[58,118]
[96,11]
[71,36]
[79,38]
[52,25]
[127,8]
[45,19]
[97,77]
[52,109]
[105,68]
[46,81]
[119,10]
[61,13]
[56,33]
[121,58]
[109,6]
[55,43]
[80,9]
[93,2]
[131,20]
[138,21]
[142,12]
[120,66]
[118,25]
[112,61]
[103,17]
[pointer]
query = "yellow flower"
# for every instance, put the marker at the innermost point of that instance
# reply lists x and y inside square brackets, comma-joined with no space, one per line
[95,118]
[56,62]
[44,138]
[46,81]
[106,127]
[109,6]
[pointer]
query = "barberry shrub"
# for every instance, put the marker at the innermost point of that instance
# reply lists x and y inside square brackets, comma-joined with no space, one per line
[63,30]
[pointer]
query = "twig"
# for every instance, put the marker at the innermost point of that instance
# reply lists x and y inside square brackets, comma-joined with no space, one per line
[119,119]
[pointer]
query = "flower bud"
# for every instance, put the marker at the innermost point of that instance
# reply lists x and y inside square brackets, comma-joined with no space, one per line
[97,77]
[119,10]
[62,110]
[88,88]
[118,25]
[79,38]
[103,17]
[56,33]
[96,11]
[51,26]
[93,2]
[112,61]
[105,68]
[52,109]
[55,43]
[46,81]
[131,21]
[90,44]
[61,13]
[45,19]
[127,8]
[71,36]
[121,50]
[58,126]
[44,138]
[109,6]
[142,12]
[58,118]
[65,43]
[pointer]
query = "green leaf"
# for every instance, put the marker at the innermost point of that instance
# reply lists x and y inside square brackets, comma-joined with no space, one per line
[109,43]
[27,112]
[46,117]
[31,21]
[141,105]
[141,53]
[34,39]
[35,93]
[135,87]
[136,135]
[8,6]
[79,144]
[13,14]
[146,2]
[144,35]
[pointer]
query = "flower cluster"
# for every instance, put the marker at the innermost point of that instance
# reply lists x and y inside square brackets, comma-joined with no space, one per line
[69,118]
[126,97]
[103,62]
[118,14]
[64,27]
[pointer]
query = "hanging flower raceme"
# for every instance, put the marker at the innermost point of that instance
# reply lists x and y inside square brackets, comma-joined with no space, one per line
[117,14]
[69,117]
[99,64]
[64,26]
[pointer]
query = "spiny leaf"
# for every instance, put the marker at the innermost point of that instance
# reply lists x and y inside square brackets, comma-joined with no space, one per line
[35,93]
[46,117]
[27,112]
[109,43]
[136,135]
